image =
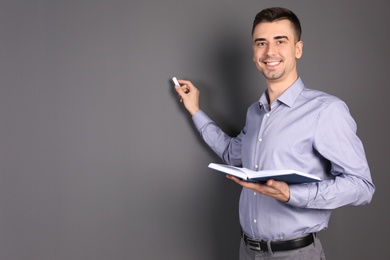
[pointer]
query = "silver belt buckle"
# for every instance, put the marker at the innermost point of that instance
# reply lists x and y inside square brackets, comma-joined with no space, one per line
[253,245]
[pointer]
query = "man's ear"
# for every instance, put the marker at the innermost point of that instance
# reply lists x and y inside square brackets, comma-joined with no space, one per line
[298,49]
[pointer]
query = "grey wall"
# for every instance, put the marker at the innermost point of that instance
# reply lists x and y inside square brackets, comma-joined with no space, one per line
[99,160]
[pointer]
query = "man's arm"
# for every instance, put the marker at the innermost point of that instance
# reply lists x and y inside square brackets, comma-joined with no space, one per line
[189,96]
[336,140]
[226,147]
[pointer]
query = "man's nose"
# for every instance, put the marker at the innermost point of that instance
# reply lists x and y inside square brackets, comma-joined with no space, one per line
[271,49]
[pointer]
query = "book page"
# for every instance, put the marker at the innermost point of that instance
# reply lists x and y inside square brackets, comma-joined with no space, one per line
[288,176]
[228,169]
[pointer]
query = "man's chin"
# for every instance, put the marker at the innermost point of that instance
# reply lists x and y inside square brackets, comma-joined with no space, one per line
[273,76]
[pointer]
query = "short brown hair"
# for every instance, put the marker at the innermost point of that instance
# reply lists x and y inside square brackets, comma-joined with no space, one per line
[278,13]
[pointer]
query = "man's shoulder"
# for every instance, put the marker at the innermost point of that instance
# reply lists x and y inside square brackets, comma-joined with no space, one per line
[319,96]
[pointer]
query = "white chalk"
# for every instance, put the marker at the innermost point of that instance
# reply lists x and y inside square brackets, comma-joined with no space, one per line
[175,81]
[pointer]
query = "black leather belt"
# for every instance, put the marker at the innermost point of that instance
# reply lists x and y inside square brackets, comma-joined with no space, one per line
[285,245]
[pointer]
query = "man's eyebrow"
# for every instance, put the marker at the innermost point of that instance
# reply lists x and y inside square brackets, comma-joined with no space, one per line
[275,38]
[280,37]
[259,40]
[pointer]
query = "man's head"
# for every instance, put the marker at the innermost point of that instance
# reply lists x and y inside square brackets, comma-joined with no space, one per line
[276,14]
[276,45]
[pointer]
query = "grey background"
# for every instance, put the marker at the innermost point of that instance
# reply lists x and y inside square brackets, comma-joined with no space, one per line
[99,160]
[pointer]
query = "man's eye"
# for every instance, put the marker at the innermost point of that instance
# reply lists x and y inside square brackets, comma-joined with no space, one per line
[280,42]
[261,44]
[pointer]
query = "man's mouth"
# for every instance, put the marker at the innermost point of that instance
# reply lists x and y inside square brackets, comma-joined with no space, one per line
[272,63]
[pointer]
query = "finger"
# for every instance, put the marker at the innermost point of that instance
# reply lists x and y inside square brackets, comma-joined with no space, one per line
[180,91]
[188,84]
[276,185]
[239,181]
[185,82]
[236,180]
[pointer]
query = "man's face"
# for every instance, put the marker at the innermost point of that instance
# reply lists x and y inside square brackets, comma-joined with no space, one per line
[275,50]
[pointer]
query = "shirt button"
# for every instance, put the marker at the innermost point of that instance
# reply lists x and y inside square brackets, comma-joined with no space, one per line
[254,193]
[260,139]
[267,115]
[256,166]
[255,220]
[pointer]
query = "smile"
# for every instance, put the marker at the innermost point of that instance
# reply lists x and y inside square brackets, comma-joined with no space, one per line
[272,63]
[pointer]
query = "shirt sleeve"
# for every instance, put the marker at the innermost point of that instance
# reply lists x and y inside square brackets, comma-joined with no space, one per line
[226,147]
[349,181]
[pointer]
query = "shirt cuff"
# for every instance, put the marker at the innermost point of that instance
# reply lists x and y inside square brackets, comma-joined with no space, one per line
[300,195]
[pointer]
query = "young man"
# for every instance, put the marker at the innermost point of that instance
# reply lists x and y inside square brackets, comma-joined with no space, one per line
[290,127]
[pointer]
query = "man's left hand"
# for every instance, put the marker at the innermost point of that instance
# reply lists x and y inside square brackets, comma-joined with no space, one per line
[275,189]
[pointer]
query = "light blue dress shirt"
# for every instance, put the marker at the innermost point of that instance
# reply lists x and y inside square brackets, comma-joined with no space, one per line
[308,131]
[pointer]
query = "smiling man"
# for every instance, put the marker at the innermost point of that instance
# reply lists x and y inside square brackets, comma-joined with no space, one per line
[289,127]
[276,46]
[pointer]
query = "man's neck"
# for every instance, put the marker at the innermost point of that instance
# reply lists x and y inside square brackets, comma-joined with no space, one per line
[277,88]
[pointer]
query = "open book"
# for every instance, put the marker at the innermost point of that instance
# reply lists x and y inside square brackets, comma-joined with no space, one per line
[288,176]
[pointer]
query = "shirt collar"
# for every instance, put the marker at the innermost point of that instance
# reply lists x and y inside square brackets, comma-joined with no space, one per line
[288,97]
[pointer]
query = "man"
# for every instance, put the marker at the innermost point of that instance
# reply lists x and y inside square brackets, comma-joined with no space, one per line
[290,127]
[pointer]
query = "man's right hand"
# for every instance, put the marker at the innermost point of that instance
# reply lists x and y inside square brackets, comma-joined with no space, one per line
[189,96]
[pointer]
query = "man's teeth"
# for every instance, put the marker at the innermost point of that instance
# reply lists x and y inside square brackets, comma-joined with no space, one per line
[273,63]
